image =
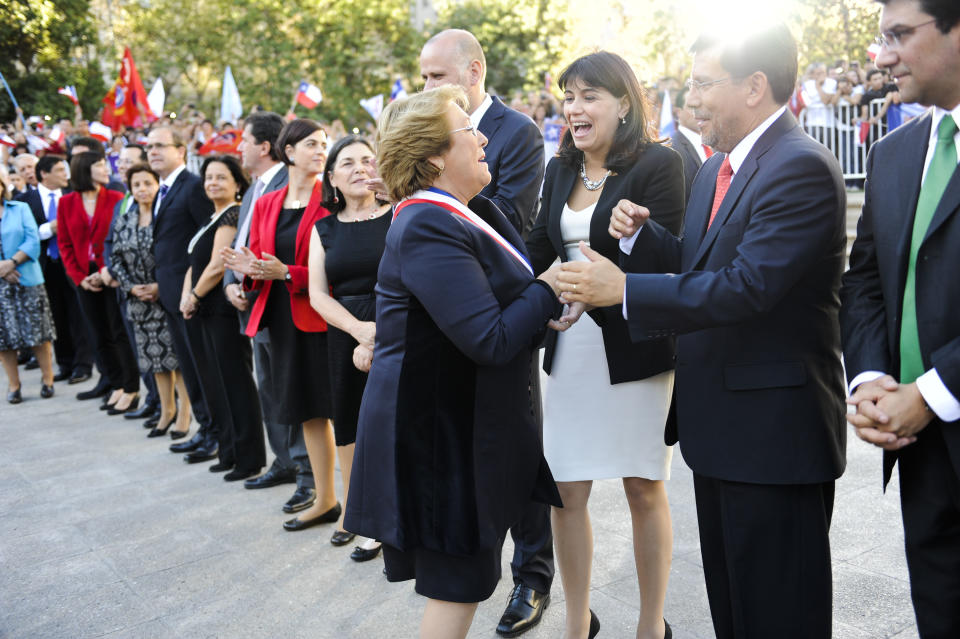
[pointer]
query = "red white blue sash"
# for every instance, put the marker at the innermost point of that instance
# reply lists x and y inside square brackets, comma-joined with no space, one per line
[443,200]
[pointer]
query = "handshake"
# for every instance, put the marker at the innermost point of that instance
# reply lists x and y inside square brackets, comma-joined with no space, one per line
[598,281]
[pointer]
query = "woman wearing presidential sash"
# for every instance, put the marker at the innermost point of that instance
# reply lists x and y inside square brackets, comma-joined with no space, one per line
[447,453]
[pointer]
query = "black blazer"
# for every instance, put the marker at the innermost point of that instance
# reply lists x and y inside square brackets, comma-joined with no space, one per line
[872,292]
[515,158]
[32,199]
[182,212]
[759,392]
[448,455]
[656,181]
[691,159]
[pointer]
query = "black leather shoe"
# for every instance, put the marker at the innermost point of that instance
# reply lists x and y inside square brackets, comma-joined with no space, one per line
[220,467]
[46,392]
[120,411]
[147,410]
[365,554]
[188,446]
[302,498]
[329,517]
[240,473]
[524,611]
[79,377]
[32,364]
[667,631]
[15,397]
[341,538]
[204,452]
[273,477]
[595,627]
[62,376]
[178,434]
[95,392]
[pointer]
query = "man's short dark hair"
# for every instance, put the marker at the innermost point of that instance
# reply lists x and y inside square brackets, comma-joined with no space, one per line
[143,151]
[771,51]
[90,143]
[265,127]
[945,12]
[46,164]
[873,72]
[80,175]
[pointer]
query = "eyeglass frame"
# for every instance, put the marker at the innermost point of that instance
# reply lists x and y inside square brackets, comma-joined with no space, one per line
[472,129]
[703,87]
[158,145]
[892,38]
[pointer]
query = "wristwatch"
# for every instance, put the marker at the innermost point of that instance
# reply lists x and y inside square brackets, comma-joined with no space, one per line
[288,277]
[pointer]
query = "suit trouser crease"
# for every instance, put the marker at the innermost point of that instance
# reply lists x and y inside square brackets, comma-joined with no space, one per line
[117,361]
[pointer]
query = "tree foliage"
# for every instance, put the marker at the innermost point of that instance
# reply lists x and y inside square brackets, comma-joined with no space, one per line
[832,30]
[45,44]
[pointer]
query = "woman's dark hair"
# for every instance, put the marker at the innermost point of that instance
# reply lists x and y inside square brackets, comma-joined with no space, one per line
[80,175]
[328,192]
[611,72]
[233,165]
[292,133]
[142,167]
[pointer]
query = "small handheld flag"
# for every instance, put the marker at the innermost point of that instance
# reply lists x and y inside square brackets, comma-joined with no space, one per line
[70,92]
[309,95]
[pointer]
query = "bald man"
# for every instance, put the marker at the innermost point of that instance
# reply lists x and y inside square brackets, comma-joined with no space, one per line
[515,158]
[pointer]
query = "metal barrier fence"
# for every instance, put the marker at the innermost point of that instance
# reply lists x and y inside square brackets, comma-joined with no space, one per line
[838,128]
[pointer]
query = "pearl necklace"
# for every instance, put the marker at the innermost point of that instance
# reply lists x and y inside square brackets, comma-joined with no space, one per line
[592,185]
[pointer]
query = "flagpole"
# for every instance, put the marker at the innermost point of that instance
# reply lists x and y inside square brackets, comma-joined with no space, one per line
[14,100]
[295,94]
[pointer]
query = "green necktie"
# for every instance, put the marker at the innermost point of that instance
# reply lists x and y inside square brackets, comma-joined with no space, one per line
[941,169]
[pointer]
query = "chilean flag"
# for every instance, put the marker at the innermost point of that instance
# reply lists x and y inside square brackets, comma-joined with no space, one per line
[397,91]
[6,140]
[309,95]
[70,91]
[100,131]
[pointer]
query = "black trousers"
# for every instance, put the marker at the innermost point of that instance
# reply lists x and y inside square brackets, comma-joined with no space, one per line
[72,347]
[930,502]
[532,564]
[766,558]
[226,374]
[116,359]
[181,331]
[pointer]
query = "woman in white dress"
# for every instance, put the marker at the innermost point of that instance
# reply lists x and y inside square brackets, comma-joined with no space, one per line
[606,397]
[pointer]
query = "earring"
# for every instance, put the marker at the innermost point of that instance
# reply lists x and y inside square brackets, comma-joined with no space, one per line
[623,120]
[238,197]
[335,198]
[442,167]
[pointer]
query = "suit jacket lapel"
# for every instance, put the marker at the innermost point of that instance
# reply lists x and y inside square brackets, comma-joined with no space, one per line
[491,120]
[950,200]
[562,187]
[171,193]
[905,190]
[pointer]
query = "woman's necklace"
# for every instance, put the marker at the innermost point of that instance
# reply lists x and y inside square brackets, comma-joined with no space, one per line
[362,217]
[591,185]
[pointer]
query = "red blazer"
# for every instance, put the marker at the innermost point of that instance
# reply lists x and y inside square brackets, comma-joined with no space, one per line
[263,238]
[80,238]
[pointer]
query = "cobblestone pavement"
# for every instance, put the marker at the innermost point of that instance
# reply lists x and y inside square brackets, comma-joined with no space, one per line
[103,533]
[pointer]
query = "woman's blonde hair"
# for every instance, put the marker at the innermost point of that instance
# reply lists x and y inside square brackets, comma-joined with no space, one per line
[411,130]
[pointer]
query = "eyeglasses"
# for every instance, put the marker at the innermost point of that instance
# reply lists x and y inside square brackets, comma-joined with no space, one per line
[156,145]
[892,38]
[701,87]
[472,129]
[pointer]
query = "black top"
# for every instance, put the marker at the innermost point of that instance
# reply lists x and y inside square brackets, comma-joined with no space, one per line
[353,251]
[277,311]
[215,301]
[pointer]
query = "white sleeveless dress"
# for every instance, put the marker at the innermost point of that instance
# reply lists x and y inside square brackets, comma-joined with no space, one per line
[592,429]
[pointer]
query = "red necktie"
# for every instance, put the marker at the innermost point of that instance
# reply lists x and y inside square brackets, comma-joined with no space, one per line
[723,185]
[707,151]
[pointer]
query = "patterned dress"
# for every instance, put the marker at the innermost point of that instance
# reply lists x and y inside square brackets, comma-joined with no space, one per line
[25,319]
[132,262]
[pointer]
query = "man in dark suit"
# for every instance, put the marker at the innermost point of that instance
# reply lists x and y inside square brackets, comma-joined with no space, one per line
[751,291]
[686,140]
[180,209]
[261,159]
[72,346]
[901,334]
[515,158]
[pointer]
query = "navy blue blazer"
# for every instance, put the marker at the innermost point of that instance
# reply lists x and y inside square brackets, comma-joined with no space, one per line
[691,159]
[182,212]
[515,157]
[448,455]
[759,392]
[872,290]
[32,199]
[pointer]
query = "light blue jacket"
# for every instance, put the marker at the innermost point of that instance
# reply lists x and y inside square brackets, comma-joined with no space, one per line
[18,232]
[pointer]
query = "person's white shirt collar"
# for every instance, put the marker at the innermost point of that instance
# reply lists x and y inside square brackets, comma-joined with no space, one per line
[743,148]
[935,120]
[45,194]
[695,139]
[481,111]
[170,179]
[269,174]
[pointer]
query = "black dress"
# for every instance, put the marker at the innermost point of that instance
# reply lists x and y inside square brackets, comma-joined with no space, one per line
[353,251]
[226,364]
[299,376]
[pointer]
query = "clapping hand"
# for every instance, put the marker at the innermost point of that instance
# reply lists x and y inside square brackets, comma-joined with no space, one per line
[627,218]
[268,267]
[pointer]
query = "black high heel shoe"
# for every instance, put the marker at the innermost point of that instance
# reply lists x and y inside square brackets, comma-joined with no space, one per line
[132,407]
[156,431]
[46,391]
[14,396]
[594,626]
[105,404]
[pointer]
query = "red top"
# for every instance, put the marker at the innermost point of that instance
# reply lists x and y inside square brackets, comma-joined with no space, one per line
[80,237]
[263,239]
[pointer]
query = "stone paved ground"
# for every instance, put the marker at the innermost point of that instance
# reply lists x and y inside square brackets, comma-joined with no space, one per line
[104,533]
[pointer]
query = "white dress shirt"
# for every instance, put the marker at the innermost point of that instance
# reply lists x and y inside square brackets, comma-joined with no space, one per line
[935,393]
[696,140]
[169,180]
[481,111]
[44,229]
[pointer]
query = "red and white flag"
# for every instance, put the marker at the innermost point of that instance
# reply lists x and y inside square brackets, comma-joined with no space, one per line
[309,95]
[6,140]
[873,50]
[100,131]
[70,91]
